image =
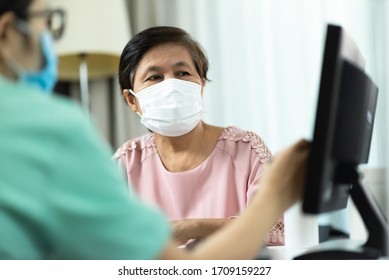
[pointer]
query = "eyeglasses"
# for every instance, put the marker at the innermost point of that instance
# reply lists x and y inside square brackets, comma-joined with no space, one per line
[55,20]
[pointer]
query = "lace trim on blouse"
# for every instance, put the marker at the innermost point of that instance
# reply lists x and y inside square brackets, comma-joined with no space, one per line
[236,134]
[276,236]
[231,133]
[142,142]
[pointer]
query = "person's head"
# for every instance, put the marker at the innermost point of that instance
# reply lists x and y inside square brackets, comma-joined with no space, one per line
[168,63]
[156,40]
[22,47]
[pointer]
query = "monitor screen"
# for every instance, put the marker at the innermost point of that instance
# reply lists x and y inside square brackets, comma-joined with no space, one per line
[341,142]
[343,126]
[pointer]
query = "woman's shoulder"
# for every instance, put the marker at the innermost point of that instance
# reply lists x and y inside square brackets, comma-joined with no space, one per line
[138,144]
[236,137]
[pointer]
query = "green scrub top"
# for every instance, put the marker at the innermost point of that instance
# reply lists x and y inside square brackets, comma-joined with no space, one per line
[61,195]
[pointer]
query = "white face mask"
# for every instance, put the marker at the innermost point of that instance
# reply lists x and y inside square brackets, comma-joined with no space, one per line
[172,107]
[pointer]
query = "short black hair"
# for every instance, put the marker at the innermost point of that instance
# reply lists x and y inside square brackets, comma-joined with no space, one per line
[19,7]
[154,36]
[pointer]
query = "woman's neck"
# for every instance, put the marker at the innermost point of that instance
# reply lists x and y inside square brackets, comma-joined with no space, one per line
[188,151]
[190,142]
[5,72]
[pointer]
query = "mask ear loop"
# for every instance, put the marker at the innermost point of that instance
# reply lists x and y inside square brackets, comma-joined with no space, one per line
[135,95]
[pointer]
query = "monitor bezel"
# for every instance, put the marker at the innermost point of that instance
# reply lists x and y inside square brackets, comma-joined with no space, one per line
[318,196]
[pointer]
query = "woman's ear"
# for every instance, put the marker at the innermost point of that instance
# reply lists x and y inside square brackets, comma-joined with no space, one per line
[6,20]
[202,86]
[130,99]
[8,39]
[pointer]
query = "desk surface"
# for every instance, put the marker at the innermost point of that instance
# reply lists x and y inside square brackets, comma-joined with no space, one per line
[281,252]
[333,249]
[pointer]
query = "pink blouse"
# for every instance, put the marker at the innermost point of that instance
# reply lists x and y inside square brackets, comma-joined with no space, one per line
[220,187]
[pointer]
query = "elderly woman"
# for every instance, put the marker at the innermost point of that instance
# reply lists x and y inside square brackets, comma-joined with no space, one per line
[199,174]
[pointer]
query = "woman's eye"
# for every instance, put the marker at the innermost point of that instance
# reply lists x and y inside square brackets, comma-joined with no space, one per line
[154,78]
[183,73]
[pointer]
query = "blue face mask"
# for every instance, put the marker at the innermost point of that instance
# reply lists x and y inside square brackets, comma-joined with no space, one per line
[46,77]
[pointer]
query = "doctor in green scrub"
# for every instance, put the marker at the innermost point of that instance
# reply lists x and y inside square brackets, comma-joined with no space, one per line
[61,196]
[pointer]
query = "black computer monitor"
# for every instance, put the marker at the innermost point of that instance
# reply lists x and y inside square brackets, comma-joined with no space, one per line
[341,142]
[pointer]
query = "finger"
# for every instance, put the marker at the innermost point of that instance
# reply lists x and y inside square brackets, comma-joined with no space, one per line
[302,144]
